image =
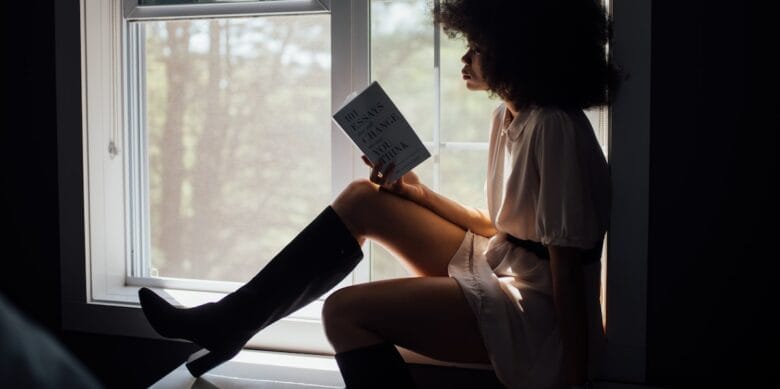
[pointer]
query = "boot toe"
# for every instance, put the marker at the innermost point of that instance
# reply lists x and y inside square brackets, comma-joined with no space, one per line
[156,310]
[150,301]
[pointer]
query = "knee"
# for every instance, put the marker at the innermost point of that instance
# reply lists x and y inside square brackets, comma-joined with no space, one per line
[356,193]
[336,313]
[352,203]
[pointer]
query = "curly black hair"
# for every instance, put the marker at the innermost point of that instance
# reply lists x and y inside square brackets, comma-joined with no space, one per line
[538,52]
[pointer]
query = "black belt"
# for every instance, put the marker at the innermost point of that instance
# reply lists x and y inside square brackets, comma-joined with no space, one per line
[541,251]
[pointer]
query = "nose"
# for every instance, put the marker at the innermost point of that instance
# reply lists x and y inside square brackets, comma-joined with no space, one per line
[466,58]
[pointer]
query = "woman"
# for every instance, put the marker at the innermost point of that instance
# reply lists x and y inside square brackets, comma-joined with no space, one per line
[515,286]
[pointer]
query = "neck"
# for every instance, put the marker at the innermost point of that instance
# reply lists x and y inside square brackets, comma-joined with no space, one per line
[511,107]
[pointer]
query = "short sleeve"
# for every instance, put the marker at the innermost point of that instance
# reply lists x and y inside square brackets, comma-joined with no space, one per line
[565,213]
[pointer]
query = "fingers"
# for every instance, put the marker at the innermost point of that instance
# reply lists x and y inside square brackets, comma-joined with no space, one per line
[386,175]
[389,171]
[379,174]
[376,174]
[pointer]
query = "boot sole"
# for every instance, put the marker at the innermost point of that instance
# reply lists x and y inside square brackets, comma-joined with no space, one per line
[204,360]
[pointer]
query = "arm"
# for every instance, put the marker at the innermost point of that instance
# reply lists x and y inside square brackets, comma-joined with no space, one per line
[410,187]
[468,218]
[569,296]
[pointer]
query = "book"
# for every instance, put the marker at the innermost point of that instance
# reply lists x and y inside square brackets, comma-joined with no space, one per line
[376,126]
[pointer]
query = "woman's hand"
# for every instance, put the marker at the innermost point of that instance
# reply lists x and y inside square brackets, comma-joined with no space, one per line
[407,186]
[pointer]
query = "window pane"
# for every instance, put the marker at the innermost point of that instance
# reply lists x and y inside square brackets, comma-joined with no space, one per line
[384,266]
[170,2]
[402,59]
[463,175]
[238,117]
[465,114]
[599,119]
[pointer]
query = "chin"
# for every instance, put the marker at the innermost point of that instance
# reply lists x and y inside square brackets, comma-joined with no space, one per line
[475,87]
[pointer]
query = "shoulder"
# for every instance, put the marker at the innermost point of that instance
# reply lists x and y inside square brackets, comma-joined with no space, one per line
[496,119]
[498,114]
[499,109]
[555,122]
[556,117]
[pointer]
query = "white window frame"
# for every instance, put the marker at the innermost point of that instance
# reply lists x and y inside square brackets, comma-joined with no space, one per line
[104,305]
[343,161]
[108,107]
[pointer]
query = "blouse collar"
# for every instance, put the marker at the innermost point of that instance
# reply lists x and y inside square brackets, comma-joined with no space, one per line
[517,124]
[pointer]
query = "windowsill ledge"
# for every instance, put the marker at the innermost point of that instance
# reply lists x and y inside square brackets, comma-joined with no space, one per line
[267,369]
[276,370]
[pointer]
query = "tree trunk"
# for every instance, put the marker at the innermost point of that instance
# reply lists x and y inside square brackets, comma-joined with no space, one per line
[177,68]
[207,175]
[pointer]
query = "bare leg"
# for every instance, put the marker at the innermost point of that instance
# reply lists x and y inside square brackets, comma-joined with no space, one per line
[422,240]
[427,315]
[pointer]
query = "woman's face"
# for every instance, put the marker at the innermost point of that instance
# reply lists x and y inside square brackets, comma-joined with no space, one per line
[472,71]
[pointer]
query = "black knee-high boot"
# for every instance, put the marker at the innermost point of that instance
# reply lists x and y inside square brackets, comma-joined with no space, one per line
[317,259]
[377,366]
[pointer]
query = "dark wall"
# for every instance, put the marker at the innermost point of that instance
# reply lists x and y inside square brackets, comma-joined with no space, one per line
[29,169]
[707,268]
[30,272]
[712,162]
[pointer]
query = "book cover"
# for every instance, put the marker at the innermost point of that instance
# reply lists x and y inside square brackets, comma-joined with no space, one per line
[380,131]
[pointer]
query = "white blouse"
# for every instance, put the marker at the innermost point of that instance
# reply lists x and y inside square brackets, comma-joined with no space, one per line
[548,181]
[548,178]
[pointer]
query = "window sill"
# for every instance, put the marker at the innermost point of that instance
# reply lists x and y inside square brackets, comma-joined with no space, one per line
[267,369]
[303,339]
[294,335]
[274,369]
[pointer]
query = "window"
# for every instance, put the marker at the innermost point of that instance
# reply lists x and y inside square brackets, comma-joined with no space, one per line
[209,146]
[233,151]
[200,72]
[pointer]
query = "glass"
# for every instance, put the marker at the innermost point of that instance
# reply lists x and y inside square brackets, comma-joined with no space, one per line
[465,114]
[463,175]
[384,265]
[177,2]
[402,59]
[238,118]
[599,119]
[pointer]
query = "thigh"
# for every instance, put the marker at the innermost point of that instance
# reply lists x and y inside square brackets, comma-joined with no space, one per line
[422,240]
[428,315]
